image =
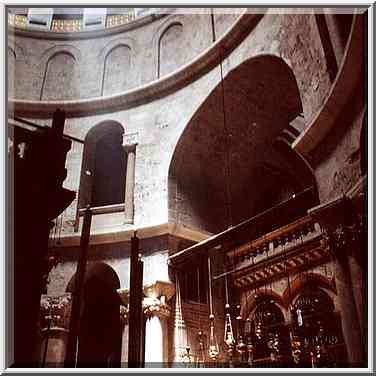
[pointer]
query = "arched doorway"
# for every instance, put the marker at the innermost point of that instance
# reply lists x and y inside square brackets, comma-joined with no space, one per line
[266,330]
[99,340]
[318,326]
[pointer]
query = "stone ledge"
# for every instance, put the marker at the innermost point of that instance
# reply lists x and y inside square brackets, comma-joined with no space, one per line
[122,234]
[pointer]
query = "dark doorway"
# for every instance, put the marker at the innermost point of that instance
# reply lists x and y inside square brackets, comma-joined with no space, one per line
[99,339]
[109,171]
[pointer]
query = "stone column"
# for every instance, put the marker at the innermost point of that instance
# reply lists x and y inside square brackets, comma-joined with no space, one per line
[124,338]
[349,315]
[156,332]
[129,183]
[358,267]
[55,312]
[336,219]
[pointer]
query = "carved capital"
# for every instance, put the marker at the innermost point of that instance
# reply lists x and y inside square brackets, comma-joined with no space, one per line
[343,226]
[156,307]
[55,310]
[130,139]
[129,148]
[124,311]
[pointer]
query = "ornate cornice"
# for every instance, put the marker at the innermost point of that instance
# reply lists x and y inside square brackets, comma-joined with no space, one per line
[105,32]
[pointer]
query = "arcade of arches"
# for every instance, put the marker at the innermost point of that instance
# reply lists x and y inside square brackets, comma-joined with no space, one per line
[219,214]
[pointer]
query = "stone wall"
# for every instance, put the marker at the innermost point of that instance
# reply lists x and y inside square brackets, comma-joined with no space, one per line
[158,125]
[337,160]
[110,63]
[117,256]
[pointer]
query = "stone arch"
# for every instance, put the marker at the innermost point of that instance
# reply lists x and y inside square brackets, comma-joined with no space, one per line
[16,59]
[61,77]
[267,320]
[256,297]
[99,339]
[67,48]
[170,54]
[261,99]
[171,19]
[17,50]
[117,68]
[308,279]
[95,134]
[100,270]
[12,52]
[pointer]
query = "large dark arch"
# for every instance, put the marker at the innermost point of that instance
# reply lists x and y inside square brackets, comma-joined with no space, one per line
[100,270]
[99,340]
[261,99]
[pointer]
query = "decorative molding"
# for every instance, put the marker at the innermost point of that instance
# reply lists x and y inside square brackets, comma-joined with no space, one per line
[120,235]
[156,307]
[155,290]
[56,309]
[48,34]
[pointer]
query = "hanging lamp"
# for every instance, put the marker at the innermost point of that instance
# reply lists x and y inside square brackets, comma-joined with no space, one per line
[213,348]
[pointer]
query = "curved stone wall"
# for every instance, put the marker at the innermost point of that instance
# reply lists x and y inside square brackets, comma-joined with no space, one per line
[157,124]
[109,62]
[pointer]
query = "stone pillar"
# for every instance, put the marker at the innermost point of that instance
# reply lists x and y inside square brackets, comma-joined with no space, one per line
[54,353]
[124,337]
[157,313]
[337,218]
[349,315]
[55,312]
[129,183]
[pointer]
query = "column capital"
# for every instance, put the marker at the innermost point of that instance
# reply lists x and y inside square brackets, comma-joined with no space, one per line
[130,148]
[342,224]
[156,307]
[56,309]
[124,313]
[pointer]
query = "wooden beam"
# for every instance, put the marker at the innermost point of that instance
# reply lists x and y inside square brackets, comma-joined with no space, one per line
[74,325]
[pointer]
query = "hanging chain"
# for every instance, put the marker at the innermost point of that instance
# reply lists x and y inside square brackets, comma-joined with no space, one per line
[228,148]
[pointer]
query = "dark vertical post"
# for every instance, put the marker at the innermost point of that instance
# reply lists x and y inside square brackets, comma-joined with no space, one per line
[74,324]
[135,306]
[327,46]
